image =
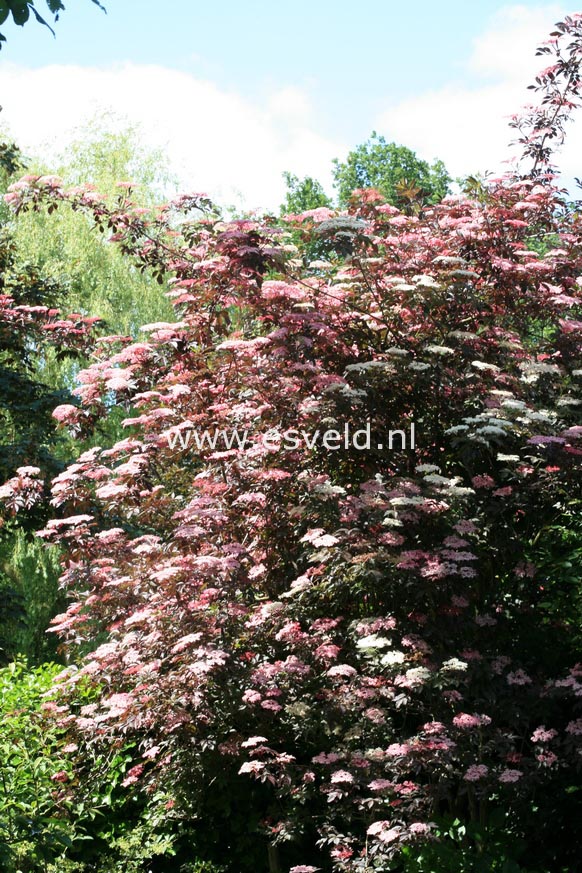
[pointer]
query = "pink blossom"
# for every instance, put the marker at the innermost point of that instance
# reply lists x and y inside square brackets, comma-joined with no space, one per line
[343,671]
[419,828]
[465,527]
[325,624]
[364,628]
[253,741]
[375,715]
[466,721]
[390,836]
[458,556]
[24,472]
[119,383]
[391,539]
[575,728]
[112,490]
[485,620]
[324,758]
[152,752]
[252,767]
[541,735]
[471,655]
[518,677]
[476,772]
[327,652]
[341,776]
[397,750]
[547,758]
[510,776]
[384,831]
[342,853]
[405,788]
[455,542]
[467,572]
[434,728]
[133,775]
[290,632]
[380,785]
[483,482]
[60,776]
[460,602]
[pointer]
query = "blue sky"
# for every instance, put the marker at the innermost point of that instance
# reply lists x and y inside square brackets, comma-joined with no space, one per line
[349,55]
[268,87]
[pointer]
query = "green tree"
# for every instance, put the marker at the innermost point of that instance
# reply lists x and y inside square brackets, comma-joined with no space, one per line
[396,171]
[64,245]
[30,593]
[303,194]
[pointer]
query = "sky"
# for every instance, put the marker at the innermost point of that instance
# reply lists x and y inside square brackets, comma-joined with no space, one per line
[235,93]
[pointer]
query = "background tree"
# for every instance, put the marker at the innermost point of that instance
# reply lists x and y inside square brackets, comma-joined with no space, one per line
[396,171]
[303,194]
[97,278]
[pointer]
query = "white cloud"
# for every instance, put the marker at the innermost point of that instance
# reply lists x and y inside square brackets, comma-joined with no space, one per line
[236,149]
[466,123]
[506,51]
[216,140]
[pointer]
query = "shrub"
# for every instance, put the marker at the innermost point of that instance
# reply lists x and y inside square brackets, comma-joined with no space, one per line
[34,823]
[345,651]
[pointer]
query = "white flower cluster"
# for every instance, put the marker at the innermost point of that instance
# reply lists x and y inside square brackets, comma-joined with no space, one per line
[454,665]
[532,370]
[367,368]
[422,281]
[484,428]
[442,351]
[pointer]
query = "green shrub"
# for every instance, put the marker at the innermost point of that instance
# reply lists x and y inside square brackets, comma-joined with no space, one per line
[35,827]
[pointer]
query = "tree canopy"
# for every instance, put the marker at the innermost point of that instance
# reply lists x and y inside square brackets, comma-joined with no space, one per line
[303,194]
[394,170]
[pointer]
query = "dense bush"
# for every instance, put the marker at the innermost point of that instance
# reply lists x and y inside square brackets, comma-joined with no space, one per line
[34,824]
[64,808]
[324,656]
